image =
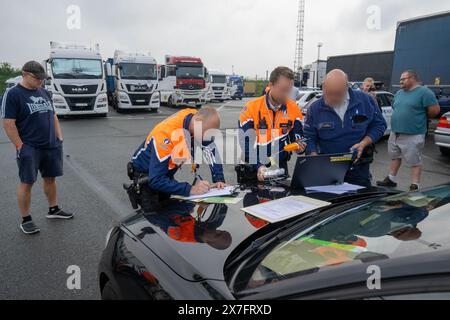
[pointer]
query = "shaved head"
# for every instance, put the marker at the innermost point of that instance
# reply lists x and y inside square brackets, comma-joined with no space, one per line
[209,116]
[335,87]
[205,121]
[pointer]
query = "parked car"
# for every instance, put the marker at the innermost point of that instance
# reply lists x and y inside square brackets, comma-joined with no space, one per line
[444,103]
[442,134]
[306,96]
[196,251]
[385,101]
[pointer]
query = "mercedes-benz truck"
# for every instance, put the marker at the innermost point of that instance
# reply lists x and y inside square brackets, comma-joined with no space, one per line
[182,81]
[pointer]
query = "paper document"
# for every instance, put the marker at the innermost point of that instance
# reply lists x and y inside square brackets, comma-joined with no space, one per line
[283,209]
[335,189]
[227,191]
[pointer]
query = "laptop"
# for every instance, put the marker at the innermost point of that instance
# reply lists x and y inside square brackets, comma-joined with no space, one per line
[321,170]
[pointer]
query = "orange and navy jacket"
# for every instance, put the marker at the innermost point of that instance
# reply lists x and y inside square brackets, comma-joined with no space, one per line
[283,126]
[167,147]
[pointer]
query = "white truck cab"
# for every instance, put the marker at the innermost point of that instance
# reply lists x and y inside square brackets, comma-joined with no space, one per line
[76,79]
[132,81]
[218,85]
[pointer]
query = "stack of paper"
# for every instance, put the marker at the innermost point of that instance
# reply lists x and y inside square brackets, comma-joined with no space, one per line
[227,191]
[335,189]
[285,208]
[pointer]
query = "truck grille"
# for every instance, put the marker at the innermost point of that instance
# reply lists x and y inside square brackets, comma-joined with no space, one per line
[191,86]
[87,89]
[81,104]
[218,88]
[140,99]
[139,88]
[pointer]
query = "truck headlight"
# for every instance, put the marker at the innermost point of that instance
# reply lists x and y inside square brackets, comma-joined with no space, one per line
[123,96]
[58,99]
[102,98]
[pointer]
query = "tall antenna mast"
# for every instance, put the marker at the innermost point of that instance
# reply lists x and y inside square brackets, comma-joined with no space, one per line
[298,62]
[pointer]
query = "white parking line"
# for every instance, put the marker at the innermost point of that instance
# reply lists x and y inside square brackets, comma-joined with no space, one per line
[223,106]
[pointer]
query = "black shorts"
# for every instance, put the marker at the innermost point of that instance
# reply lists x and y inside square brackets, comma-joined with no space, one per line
[49,162]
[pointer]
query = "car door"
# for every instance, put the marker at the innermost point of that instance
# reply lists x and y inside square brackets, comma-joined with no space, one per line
[385,102]
[423,287]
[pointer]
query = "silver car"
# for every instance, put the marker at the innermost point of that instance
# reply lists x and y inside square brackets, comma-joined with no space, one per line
[442,134]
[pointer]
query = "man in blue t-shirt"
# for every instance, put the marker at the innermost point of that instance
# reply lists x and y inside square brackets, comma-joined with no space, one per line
[413,106]
[32,126]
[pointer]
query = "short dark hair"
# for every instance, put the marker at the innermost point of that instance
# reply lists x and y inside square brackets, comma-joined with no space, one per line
[412,74]
[281,72]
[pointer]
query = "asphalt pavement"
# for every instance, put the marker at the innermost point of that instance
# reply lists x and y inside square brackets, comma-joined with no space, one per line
[96,152]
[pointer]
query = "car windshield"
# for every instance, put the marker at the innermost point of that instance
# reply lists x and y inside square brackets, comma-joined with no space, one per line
[140,71]
[189,72]
[77,68]
[390,227]
[219,79]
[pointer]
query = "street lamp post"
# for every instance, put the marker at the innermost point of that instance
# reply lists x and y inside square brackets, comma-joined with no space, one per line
[319,45]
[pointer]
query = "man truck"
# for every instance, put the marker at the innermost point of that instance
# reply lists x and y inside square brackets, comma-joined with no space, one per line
[182,81]
[76,79]
[132,81]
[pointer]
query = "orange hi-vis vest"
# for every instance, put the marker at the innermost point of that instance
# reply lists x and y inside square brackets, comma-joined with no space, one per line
[169,141]
[271,126]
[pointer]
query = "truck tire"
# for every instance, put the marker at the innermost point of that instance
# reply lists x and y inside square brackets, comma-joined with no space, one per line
[170,102]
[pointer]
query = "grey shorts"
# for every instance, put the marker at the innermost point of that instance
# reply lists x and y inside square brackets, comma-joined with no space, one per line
[407,147]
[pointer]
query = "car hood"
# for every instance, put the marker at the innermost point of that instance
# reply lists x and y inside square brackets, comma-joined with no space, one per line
[195,240]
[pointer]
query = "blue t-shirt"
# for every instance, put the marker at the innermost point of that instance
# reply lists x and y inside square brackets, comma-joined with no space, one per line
[410,114]
[34,114]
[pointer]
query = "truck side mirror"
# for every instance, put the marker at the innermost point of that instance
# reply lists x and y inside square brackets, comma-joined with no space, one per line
[109,70]
[114,70]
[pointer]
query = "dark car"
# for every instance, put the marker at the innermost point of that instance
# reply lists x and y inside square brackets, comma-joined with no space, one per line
[193,251]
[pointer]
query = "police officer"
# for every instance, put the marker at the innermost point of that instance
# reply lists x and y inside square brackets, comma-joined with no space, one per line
[271,122]
[168,146]
[345,120]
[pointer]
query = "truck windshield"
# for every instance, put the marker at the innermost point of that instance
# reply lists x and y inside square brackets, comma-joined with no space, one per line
[219,79]
[189,72]
[138,71]
[389,227]
[77,68]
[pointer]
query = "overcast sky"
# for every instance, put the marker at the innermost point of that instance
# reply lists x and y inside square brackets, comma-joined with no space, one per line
[252,35]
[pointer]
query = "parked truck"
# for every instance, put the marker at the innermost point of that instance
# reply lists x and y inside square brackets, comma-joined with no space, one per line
[236,87]
[182,81]
[423,44]
[132,81]
[218,85]
[76,79]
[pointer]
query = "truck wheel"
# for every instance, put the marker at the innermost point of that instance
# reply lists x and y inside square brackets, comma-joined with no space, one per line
[198,106]
[154,110]
[445,151]
[170,102]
